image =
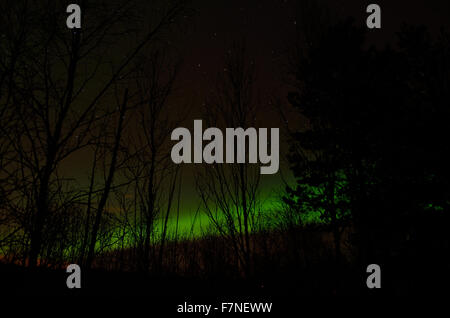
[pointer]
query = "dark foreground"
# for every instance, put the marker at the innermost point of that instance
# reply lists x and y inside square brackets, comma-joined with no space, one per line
[403,287]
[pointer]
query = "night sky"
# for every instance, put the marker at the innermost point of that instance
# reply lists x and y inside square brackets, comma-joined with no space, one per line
[268,27]
[88,174]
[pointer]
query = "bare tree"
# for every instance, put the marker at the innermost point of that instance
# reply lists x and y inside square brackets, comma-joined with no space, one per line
[109,180]
[64,78]
[12,52]
[155,177]
[230,192]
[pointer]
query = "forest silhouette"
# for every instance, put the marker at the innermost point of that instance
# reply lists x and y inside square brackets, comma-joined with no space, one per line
[369,160]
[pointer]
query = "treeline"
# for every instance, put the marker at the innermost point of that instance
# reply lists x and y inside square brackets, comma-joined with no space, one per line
[371,157]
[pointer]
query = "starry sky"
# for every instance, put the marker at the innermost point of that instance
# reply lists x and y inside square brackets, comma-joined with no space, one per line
[268,27]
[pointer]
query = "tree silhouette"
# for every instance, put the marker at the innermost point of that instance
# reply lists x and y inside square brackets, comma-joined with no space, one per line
[153,173]
[229,193]
[53,96]
[372,147]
